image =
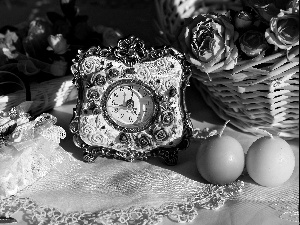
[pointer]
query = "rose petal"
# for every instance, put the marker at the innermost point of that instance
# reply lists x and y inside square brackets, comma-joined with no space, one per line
[271,39]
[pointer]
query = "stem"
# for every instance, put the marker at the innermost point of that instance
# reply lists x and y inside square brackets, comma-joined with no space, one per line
[223,128]
[264,131]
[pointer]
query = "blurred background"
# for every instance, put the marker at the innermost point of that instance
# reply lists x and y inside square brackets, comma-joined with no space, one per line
[130,16]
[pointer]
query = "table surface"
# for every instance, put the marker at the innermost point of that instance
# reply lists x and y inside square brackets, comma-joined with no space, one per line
[138,20]
[250,213]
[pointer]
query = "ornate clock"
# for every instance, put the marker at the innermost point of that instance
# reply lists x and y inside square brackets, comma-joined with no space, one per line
[131,102]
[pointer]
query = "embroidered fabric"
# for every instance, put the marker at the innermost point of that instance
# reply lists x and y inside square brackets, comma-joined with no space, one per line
[28,149]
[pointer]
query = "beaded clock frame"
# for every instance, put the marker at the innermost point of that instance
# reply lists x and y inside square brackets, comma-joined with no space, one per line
[163,74]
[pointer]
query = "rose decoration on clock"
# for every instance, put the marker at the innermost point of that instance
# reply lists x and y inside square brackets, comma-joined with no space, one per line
[131,103]
[161,134]
[208,40]
[167,118]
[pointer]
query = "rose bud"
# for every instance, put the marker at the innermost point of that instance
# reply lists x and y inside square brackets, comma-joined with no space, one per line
[253,43]
[243,20]
[58,68]
[58,44]
[284,30]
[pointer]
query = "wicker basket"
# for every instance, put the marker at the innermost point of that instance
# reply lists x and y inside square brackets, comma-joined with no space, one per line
[265,97]
[45,95]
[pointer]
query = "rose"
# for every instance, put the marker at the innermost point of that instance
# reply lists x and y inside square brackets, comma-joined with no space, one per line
[167,118]
[112,73]
[93,94]
[143,73]
[253,43]
[160,134]
[243,20]
[97,137]
[58,44]
[124,138]
[284,30]
[207,40]
[143,140]
[98,78]
[58,68]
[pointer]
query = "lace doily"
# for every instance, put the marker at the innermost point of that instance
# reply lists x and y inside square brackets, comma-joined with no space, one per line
[115,192]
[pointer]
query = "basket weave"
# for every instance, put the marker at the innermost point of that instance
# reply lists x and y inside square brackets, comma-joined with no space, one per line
[45,95]
[255,94]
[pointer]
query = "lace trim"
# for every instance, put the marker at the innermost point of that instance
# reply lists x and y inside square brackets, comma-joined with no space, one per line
[206,196]
[287,211]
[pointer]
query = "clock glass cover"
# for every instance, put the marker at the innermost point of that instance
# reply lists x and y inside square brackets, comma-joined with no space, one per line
[129,106]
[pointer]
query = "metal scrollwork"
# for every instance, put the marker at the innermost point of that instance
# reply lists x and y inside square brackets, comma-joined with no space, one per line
[130,51]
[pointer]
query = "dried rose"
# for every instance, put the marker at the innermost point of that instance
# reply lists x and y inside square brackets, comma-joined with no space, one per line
[58,68]
[58,44]
[243,20]
[284,30]
[207,40]
[253,43]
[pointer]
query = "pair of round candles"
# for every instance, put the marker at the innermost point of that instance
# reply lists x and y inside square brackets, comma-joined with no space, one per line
[270,160]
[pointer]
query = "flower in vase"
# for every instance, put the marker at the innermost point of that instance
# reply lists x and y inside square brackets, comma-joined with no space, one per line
[253,43]
[58,44]
[209,39]
[284,30]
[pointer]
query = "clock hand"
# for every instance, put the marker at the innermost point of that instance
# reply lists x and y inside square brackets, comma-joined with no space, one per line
[124,99]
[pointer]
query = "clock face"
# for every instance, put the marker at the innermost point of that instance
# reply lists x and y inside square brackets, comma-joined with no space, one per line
[129,106]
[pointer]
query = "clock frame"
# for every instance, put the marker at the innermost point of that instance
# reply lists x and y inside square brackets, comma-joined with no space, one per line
[112,83]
